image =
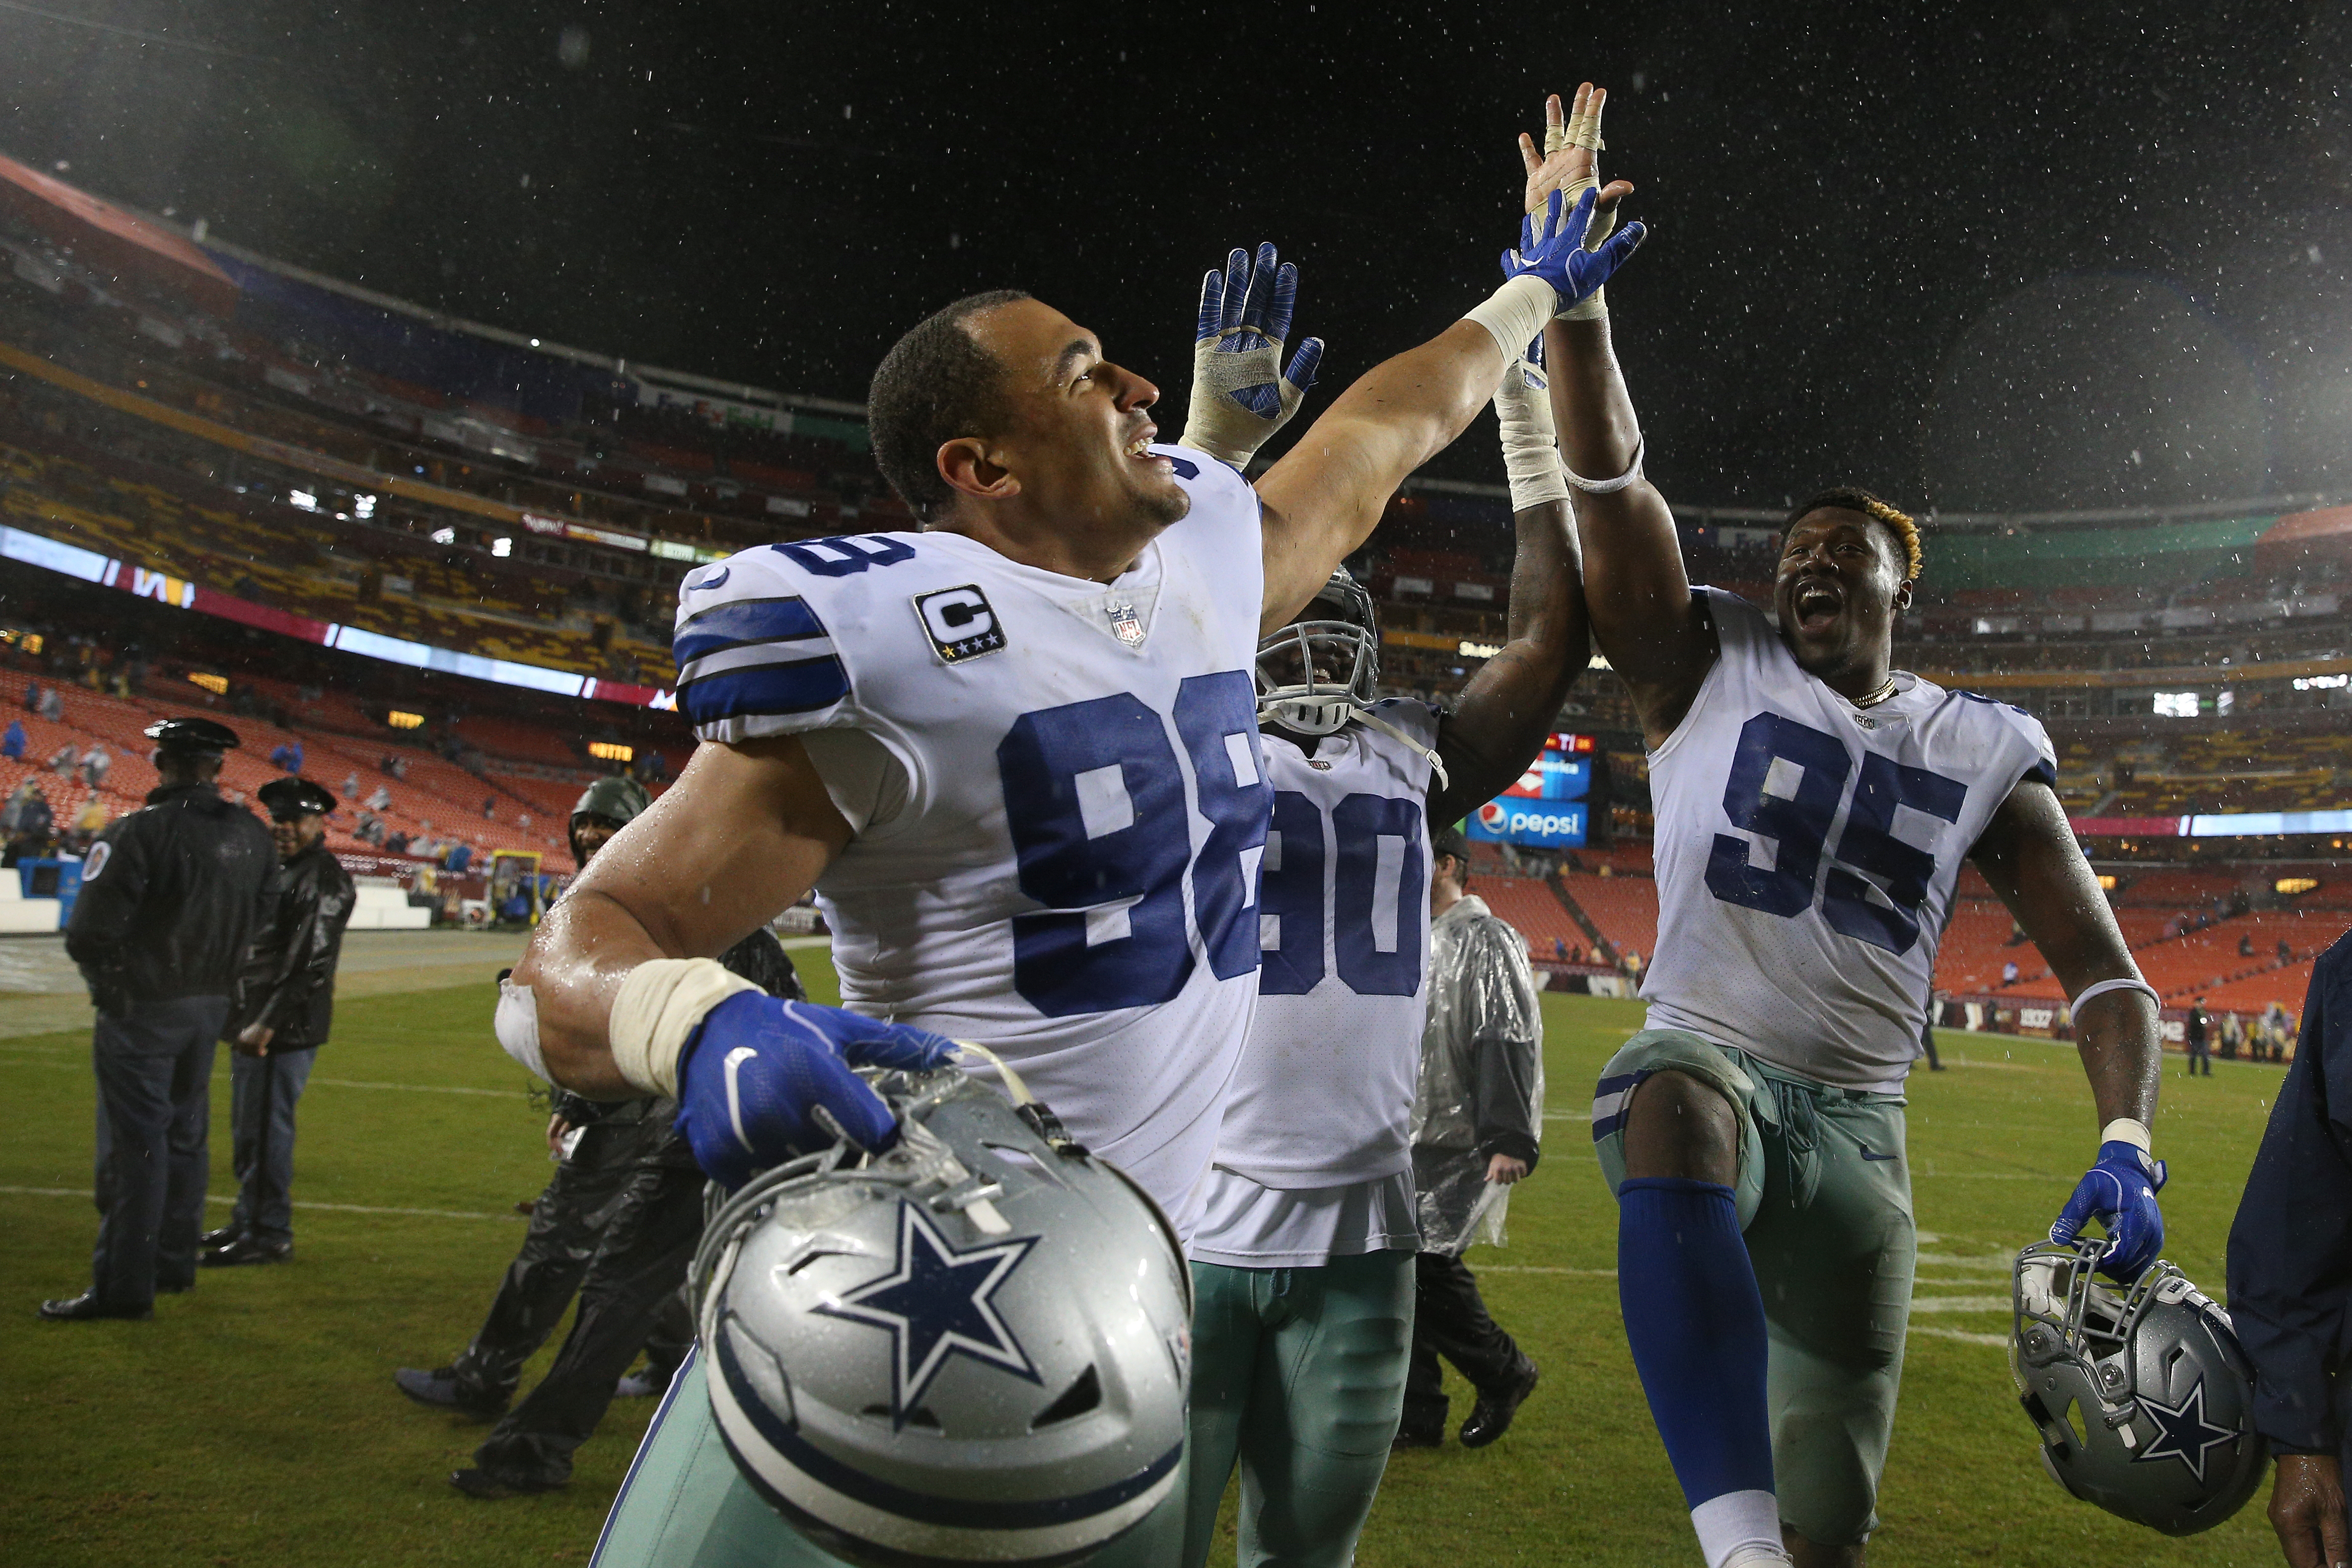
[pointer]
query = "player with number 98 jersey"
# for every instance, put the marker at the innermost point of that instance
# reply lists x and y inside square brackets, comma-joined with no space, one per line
[1055,792]
[1807,852]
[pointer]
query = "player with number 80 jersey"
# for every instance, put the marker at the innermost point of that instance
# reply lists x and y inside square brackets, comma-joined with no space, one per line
[1056,794]
[1807,851]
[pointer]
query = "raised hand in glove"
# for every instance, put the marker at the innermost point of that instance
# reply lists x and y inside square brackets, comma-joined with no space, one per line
[763,1080]
[1553,249]
[1241,392]
[2120,1191]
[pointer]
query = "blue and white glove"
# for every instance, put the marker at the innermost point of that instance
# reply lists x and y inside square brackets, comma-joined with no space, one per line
[761,1079]
[1241,393]
[1554,250]
[2120,1191]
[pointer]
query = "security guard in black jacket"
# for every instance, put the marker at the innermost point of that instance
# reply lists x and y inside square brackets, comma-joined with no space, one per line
[619,1222]
[170,896]
[277,1019]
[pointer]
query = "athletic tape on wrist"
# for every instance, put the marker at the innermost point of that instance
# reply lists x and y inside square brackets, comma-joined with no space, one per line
[2126,1130]
[1515,313]
[1594,307]
[659,1006]
[516,1023]
[2131,982]
[1610,486]
[1530,450]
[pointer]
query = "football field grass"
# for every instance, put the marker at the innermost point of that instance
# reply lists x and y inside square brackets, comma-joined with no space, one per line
[254,1421]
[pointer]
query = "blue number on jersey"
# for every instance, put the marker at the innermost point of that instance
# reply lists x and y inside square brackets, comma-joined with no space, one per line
[1095,802]
[846,556]
[1291,891]
[1095,808]
[1797,817]
[1360,901]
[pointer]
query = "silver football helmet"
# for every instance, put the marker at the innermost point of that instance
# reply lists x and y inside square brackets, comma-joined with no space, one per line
[2142,1395]
[1323,669]
[973,1348]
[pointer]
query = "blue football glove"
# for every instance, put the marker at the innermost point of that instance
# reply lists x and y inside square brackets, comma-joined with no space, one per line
[758,1070]
[1555,251]
[2120,1191]
[1241,392]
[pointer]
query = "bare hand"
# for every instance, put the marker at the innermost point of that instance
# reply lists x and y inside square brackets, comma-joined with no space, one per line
[556,1129]
[253,1040]
[1504,1169]
[2308,1512]
[1566,165]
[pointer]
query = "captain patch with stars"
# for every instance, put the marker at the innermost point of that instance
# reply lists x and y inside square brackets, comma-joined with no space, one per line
[960,623]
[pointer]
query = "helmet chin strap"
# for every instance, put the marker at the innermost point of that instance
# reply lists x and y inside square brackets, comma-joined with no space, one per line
[1328,716]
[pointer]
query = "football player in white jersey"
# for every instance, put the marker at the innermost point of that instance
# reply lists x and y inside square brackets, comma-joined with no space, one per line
[1303,1260]
[1813,807]
[1017,755]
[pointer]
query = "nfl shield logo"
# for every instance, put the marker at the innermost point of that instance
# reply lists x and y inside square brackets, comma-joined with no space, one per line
[1126,625]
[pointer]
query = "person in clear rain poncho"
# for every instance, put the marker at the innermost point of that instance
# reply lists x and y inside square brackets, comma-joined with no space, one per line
[1477,1118]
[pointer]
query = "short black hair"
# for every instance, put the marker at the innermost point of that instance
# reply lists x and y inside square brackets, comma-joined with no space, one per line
[936,384]
[1898,523]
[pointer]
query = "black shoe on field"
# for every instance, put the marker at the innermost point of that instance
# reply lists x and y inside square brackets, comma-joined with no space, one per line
[489,1488]
[1418,1437]
[219,1236]
[440,1389]
[87,1308]
[1491,1417]
[246,1249]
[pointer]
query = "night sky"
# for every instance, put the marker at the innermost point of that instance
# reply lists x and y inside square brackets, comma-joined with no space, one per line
[1978,258]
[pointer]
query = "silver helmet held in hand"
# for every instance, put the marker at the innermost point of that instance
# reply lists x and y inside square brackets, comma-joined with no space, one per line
[2142,1395]
[1324,667]
[973,1348]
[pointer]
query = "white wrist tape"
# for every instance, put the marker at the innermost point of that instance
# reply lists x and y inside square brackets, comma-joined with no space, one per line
[2125,1130]
[1610,486]
[1594,307]
[2131,982]
[1515,314]
[660,1005]
[1530,450]
[516,1022]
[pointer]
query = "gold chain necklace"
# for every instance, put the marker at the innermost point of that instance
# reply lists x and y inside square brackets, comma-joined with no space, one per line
[1877,697]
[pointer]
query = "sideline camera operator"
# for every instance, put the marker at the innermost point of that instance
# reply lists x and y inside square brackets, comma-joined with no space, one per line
[285,1002]
[170,896]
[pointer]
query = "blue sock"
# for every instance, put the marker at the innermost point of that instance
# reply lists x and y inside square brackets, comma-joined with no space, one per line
[1695,1322]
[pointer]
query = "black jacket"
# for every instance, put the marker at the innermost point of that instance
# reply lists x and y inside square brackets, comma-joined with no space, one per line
[2290,1248]
[170,896]
[288,980]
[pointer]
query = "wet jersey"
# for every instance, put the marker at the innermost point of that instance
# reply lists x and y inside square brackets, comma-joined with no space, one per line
[1807,851]
[1324,1093]
[1065,869]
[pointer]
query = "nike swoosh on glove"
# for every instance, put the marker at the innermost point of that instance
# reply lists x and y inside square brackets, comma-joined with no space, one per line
[758,1075]
[1241,392]
[2120,1191]
[1555,251]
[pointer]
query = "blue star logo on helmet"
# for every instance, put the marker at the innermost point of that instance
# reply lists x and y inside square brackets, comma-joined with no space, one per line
[937,1302]
[2183,1433]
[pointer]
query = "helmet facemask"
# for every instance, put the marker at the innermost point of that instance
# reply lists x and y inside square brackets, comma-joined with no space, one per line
[1314,676]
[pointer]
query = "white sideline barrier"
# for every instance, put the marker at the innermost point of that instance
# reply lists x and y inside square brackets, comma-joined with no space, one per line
[19,914]
[381,905]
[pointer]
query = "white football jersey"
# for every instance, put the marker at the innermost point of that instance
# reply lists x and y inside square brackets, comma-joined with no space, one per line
[1324,1093]
[1069,875]
[1807,850]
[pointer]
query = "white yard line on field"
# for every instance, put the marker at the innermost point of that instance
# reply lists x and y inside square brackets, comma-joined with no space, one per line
[83,1194]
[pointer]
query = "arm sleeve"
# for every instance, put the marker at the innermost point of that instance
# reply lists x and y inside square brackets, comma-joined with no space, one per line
[2290,1269]
[1506,1034]
[314,925]
[113,886]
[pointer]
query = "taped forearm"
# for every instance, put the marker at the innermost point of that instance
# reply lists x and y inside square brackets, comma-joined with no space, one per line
[657,1011]
[1515,314]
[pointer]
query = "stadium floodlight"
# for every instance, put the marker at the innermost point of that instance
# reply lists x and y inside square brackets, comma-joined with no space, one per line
[364,507]
[502,547]
[2176,704]
[304,499]
[445,536]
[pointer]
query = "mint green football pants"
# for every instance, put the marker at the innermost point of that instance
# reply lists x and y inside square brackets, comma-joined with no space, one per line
[1824,1201]
[685,1505]
[1297,1373]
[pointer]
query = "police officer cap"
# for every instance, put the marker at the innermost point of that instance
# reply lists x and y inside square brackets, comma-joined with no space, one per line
[288,798]
[192,734]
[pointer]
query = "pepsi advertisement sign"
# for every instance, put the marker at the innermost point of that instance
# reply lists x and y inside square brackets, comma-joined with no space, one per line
[1529,823]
